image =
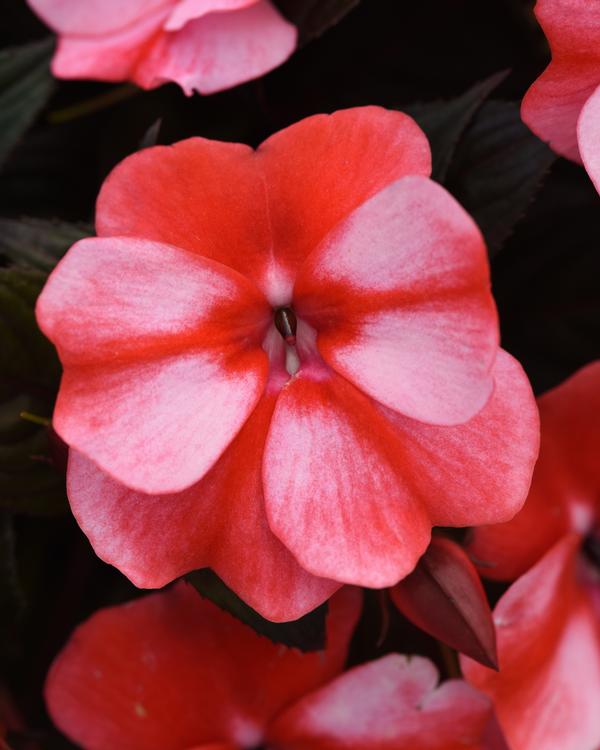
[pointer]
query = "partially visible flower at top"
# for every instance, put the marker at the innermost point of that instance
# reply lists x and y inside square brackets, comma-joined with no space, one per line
[203,45]
[283,364]
[563,106]
[172,671]
[547,691]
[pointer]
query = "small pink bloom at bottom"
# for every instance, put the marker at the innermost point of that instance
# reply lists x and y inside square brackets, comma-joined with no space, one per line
[173,671]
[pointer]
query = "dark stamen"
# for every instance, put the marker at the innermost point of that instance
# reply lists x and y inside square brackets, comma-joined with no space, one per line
[591,549]
[285,322]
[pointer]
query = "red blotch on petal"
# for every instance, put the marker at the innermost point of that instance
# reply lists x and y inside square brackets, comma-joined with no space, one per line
[161,369]
[411,321]
[480,471]
[319,170]
[338,492]
[219,522]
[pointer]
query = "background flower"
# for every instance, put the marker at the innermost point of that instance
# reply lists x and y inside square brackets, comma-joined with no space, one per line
[172,670]
[559,106]
[548,621]
[203,45]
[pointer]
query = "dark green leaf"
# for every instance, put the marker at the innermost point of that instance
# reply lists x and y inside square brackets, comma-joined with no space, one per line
[306,634]
[39,243]
[25,87]
[29,374]
[497,170]
[444,122]
[546,280]
[313,17]
[12,599]
[27,357]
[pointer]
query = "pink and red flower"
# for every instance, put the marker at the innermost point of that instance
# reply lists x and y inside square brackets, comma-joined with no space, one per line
[173,671]
[563,106]
[289,460]
[548,622]
[203,45]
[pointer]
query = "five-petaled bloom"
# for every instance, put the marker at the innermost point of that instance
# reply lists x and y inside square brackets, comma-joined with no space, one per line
[172,671]
[563,105]
[547,623]
[284,364]
[203,45]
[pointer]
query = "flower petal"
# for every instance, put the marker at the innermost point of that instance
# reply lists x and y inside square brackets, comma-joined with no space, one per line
[158,426]
[546,692]
[171,670]
[220,50]
[552,105]
[153,393]
[319,170]
[214,205]
[188,10]
[112,56]
[94,17]
[217,190]
[338,491]
[564,489]
[219,522]
[412,322]
[588,130]
[393,703]
[124,299]
[480,471]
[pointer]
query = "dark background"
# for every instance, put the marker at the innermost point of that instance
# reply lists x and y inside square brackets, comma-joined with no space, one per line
[394,53]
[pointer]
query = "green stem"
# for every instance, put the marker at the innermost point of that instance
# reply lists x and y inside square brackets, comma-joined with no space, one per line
[95,104]
[35,418]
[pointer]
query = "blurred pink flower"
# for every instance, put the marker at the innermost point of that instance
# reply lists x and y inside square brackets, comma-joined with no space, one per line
[563,106]
[203,45]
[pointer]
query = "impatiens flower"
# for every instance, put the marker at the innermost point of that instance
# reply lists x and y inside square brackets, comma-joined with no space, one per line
[548,623]
[563,106]
[203,45]
[283,364]
[172,671]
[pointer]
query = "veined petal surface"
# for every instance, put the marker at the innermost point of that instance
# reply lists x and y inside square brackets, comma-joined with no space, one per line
[161,369]
[220,522]
[400,296]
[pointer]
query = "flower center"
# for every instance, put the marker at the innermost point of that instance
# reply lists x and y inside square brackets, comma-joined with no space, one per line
[286,324]
[591,549]
[291,344]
